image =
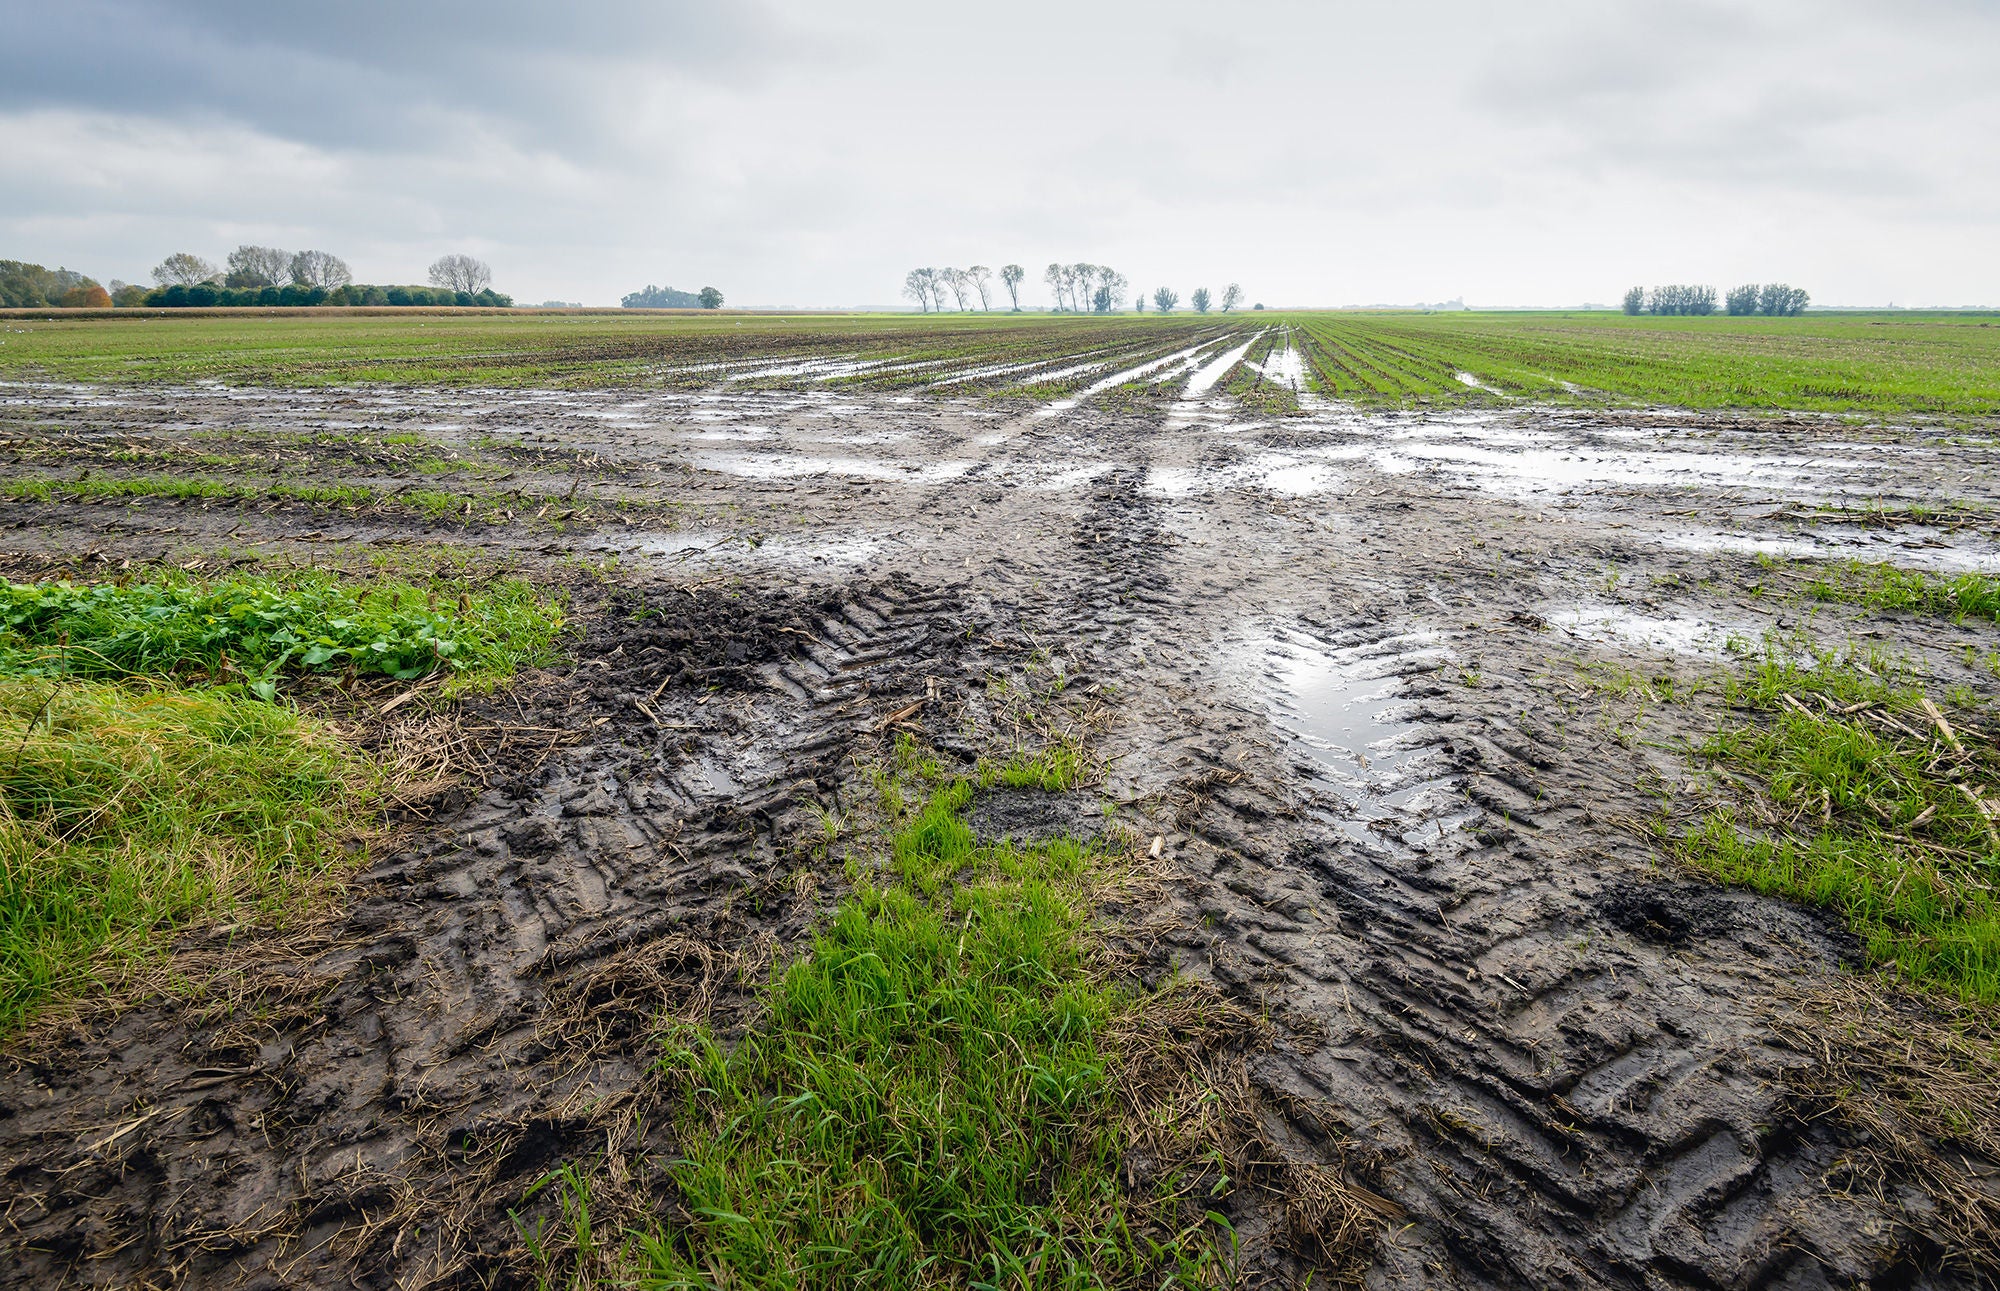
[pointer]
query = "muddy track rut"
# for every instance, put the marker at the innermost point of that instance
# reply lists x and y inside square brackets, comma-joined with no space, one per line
[1399,824]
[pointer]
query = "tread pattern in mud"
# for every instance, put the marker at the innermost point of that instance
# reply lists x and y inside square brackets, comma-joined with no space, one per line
[487,1009]
[1551,1055]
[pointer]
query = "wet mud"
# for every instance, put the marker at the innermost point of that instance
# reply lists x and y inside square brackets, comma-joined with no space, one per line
[1347,668]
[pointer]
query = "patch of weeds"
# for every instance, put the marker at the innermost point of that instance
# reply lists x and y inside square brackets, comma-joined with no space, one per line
[1861,795]
[126,812]
[251,629]
[930,1096]
[1885,587]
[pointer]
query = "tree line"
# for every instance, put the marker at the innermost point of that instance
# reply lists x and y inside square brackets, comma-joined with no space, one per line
[1080,288]
[253,275]
[1774,299]
[652,297]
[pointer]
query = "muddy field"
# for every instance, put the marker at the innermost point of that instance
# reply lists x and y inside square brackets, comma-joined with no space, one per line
[1386,685]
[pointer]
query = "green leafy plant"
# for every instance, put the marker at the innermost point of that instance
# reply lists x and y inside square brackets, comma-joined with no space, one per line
[251,630]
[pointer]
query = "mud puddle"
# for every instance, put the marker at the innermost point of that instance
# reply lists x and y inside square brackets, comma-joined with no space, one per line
[1342,706]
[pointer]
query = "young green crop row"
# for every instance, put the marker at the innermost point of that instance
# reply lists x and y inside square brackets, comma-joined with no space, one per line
[1830,363]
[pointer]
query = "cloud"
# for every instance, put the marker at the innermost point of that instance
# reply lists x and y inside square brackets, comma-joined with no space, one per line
[1547,152]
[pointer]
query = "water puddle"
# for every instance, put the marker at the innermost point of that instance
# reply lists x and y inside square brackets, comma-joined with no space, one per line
[1371,765]
[818,551]
[787,466]
[1676,634]
[1910,548]
[1166,364]
[1204,380]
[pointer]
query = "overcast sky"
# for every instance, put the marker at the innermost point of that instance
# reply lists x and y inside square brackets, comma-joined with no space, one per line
[809,153]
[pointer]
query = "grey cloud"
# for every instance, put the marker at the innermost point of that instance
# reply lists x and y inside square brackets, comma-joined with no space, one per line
[376,73]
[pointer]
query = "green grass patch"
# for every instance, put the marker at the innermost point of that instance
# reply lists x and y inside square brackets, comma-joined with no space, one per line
[126,813]
[1912,591]
[251,630]
[929,1097]
[1863,796]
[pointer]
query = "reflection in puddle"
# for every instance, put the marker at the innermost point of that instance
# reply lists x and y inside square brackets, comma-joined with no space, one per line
[1339,705]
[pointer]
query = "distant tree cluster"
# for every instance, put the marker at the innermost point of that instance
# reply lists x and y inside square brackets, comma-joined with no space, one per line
[31,286]
[1773,298]
[652,297]
[1080,288]
[1166,299]
[270,276]
[1676,299]
[207,295]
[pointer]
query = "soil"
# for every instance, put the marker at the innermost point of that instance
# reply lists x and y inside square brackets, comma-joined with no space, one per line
[1384,686]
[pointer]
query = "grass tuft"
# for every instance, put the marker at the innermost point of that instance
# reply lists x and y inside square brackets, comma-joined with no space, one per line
[1912,591]
[930,1097]
[125,813]
[1865,797]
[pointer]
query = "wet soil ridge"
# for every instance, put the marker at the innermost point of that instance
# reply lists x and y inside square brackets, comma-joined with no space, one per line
[367,1109]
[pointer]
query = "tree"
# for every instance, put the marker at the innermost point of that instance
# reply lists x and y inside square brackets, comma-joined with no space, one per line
[1635,300]
[710,298]
[1232,297]
[1741,300]
[956,281]
[652,297]
[1199,300]
[183,269]
[1055,276]
[460,273]
[917,286]
[1012,275]
[86,296]
[321,269]
[1679,298]
[1782,301]
[1139,303]
[1165,298]
[1111,287]
[1080,275]
[977,277]
[251,266]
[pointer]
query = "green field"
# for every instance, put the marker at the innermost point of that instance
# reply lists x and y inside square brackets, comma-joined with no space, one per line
[1875,364]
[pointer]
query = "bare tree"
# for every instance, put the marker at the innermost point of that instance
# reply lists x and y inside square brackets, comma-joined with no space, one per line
[183,269]
[1232,297]
[917,286]
[1056,276]
[978,276]
[259,267]
[1012,275]
[955,279]
[321,269]
[1080,275]
[460,273]
[1165,298]
[1199,300]
[1111,287]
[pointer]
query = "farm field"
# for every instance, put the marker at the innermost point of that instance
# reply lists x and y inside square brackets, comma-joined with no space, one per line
[1254,800]
[1872,364]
